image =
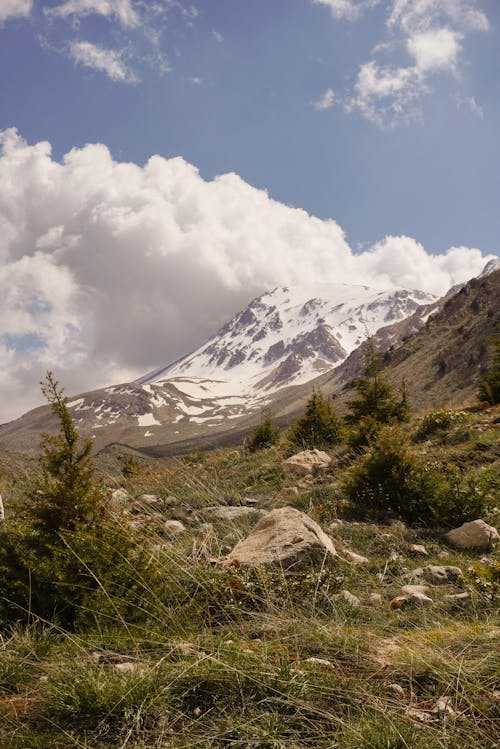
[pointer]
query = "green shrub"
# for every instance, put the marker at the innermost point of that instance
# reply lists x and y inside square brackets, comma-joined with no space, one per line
[319,427]
[375,403]
[264,435]
[390,482]
[438,421]
[489,385]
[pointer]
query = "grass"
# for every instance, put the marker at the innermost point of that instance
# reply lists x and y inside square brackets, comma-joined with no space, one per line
[234,658]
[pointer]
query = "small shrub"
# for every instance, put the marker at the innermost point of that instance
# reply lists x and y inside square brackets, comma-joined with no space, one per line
[388,481]
[319,427]
[489,385]
[438,421]
[264,435]
[391,482]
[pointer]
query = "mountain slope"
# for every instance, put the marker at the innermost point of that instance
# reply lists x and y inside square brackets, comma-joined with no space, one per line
[281,341]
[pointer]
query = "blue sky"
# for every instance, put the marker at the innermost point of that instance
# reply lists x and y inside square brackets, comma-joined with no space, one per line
[379,117]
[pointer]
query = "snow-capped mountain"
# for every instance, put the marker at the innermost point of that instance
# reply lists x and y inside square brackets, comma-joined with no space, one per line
[287,337]
[283,339]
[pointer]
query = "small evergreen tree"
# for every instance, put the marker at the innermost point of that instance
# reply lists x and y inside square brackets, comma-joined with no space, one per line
[265,434]
[489,385]
[376,403]
[318,427]
[66,493]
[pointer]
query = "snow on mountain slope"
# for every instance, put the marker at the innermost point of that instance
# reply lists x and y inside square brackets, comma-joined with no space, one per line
[286,337]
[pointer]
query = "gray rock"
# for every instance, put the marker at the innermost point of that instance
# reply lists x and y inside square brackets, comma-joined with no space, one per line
[120,499]
[349,598]
[418,549]
[285,537]
[474,535]
[305,463]
[435,574]
[173,528]
[375,599]
[230,513]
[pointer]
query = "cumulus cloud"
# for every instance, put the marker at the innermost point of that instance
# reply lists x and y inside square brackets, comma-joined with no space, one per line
[104,60]
[15,9]
[349,10]
[432,33]
[121,10]
[325,101]
[110,269]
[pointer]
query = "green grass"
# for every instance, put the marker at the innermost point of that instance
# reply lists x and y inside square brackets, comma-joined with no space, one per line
[237,659]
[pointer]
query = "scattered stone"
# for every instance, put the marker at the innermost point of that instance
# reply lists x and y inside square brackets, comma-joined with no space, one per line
[474,535]
[230,513]
[458,597]
[417,597]
[320,662]
[150,500]
[335,524]
[418,549]
[289,491]
[197,712]
[120,499]
[435,574]
[349,598]
[173,528]
[409,590]
[421,715]
[357,559]
[398,525]
[183,514]
[128,666]
[375,599]
[305,463]
[397,689]
[285,537]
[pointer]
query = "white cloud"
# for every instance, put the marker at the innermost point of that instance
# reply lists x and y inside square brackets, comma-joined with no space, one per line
[471,104]
[432,33]
[106,61]
[217,36]
[15,9]
[109,269]
[349,10]
[325,101]
[121,10]
[436,50]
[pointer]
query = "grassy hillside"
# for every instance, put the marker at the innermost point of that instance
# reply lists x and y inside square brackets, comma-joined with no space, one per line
[168,648]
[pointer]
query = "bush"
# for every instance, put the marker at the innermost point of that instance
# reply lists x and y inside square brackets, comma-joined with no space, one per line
[389,482]
[489,385]
[437,421]
[265,434]
[376,403]
[319,427]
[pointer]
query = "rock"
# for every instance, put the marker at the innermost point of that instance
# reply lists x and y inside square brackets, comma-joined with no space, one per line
[230,513]
[399,602]
[412,596]
[397,689]
[305,463]
[120,499]
[409,590]
[349,598]
[474,535]
[458,598]
[289,491]
[435,574]
[320,662]
[418,549]
[173,528]
[182,514]
[284,537]
[148,499]
[357,559]
[375,599]
[128,666]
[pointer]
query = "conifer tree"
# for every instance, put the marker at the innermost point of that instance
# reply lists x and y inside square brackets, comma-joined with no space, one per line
[263,435]
[318,427]
[67,493]
[489,385]
[376,403]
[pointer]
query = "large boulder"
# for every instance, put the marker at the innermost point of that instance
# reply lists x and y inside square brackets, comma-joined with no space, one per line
[305,463]
[474,535]
[286,538]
